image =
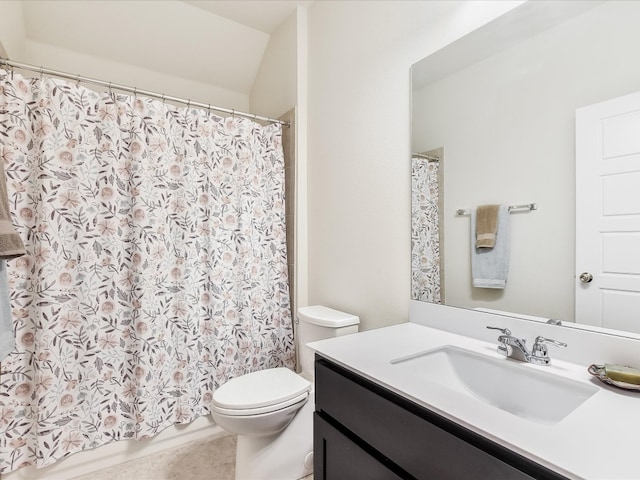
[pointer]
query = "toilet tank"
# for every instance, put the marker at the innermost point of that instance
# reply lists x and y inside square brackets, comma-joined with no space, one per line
[317,323]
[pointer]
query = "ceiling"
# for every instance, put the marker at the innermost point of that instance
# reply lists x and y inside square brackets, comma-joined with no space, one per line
[263,15]
[216,42]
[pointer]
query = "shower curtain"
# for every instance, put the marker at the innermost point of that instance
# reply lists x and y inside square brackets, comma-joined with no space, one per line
[155,270]
[425,231]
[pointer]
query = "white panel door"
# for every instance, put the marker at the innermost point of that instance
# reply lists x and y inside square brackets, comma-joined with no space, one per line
[608,214]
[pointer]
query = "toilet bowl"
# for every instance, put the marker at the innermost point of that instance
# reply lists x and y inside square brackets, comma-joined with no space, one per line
[260,403]
[271,411]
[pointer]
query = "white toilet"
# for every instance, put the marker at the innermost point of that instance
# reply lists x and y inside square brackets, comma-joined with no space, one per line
[271,411]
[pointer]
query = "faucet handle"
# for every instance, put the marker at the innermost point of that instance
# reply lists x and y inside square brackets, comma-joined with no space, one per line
[504,331]
[539,352]
[540,340]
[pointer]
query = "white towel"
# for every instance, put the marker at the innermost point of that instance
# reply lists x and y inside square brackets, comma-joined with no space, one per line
[7,336]
[490,266]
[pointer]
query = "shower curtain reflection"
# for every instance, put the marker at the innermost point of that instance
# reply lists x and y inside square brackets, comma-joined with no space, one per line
[425,234]
[156,264]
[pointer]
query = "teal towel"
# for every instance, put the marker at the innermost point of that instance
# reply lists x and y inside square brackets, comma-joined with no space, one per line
[7,336]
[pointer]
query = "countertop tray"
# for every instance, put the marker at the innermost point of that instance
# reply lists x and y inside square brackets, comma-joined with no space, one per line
[598,371]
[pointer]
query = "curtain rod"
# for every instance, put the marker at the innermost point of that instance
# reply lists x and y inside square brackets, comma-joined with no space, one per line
[426,157]
[136,91]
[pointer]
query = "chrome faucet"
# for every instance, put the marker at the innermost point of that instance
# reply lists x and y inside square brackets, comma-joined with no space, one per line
[510,346]
[516,348]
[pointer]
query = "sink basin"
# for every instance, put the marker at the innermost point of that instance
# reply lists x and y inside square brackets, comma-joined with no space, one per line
[506,384]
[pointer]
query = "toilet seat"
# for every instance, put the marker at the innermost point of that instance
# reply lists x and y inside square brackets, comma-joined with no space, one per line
[247,412]
[260,392]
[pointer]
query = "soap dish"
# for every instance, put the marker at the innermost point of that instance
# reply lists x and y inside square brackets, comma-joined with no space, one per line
[599,372]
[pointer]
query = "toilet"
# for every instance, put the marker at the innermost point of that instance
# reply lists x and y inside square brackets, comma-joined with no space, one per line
[271,411]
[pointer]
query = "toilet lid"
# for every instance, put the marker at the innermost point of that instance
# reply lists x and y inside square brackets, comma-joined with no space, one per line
[260,389]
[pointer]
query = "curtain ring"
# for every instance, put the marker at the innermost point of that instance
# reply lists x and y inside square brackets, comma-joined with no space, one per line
[41,73]
[77,79]
[209,109]
[189,103]
[164,98]
[135,92]
[233,113]
[110,91]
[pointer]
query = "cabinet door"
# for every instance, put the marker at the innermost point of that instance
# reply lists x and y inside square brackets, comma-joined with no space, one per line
[336,457]
[418,441]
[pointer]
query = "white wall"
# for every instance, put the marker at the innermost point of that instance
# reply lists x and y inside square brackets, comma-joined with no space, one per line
[507,127]
[359,55]
[57,58]
[274,90]
[12,33]
[20,47]
[169,36]
[302,159]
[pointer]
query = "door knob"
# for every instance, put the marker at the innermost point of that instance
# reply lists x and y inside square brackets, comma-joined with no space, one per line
[586,277]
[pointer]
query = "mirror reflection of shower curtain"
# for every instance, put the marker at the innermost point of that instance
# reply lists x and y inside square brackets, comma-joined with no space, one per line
[425,231]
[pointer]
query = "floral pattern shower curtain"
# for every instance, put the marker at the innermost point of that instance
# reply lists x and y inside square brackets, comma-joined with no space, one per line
[425,231]
[156,266]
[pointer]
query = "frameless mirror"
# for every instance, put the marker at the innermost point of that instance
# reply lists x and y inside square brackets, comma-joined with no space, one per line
[494,122]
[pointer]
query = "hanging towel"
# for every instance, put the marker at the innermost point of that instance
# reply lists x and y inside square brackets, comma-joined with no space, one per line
[10,243]
[489,266]
[11,246]
[486,225]
[7,336]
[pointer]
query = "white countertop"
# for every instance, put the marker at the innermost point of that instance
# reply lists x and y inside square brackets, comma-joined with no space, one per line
[598,440]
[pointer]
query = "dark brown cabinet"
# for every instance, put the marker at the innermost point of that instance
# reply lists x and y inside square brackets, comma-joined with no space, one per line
[365,431]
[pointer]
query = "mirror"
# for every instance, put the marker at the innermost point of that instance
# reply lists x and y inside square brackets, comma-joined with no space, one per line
[498,109]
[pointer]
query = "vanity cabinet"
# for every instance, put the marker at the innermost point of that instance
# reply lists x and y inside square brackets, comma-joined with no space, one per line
[365,431]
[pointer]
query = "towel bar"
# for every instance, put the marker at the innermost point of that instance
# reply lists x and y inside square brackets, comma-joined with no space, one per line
[528,206]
